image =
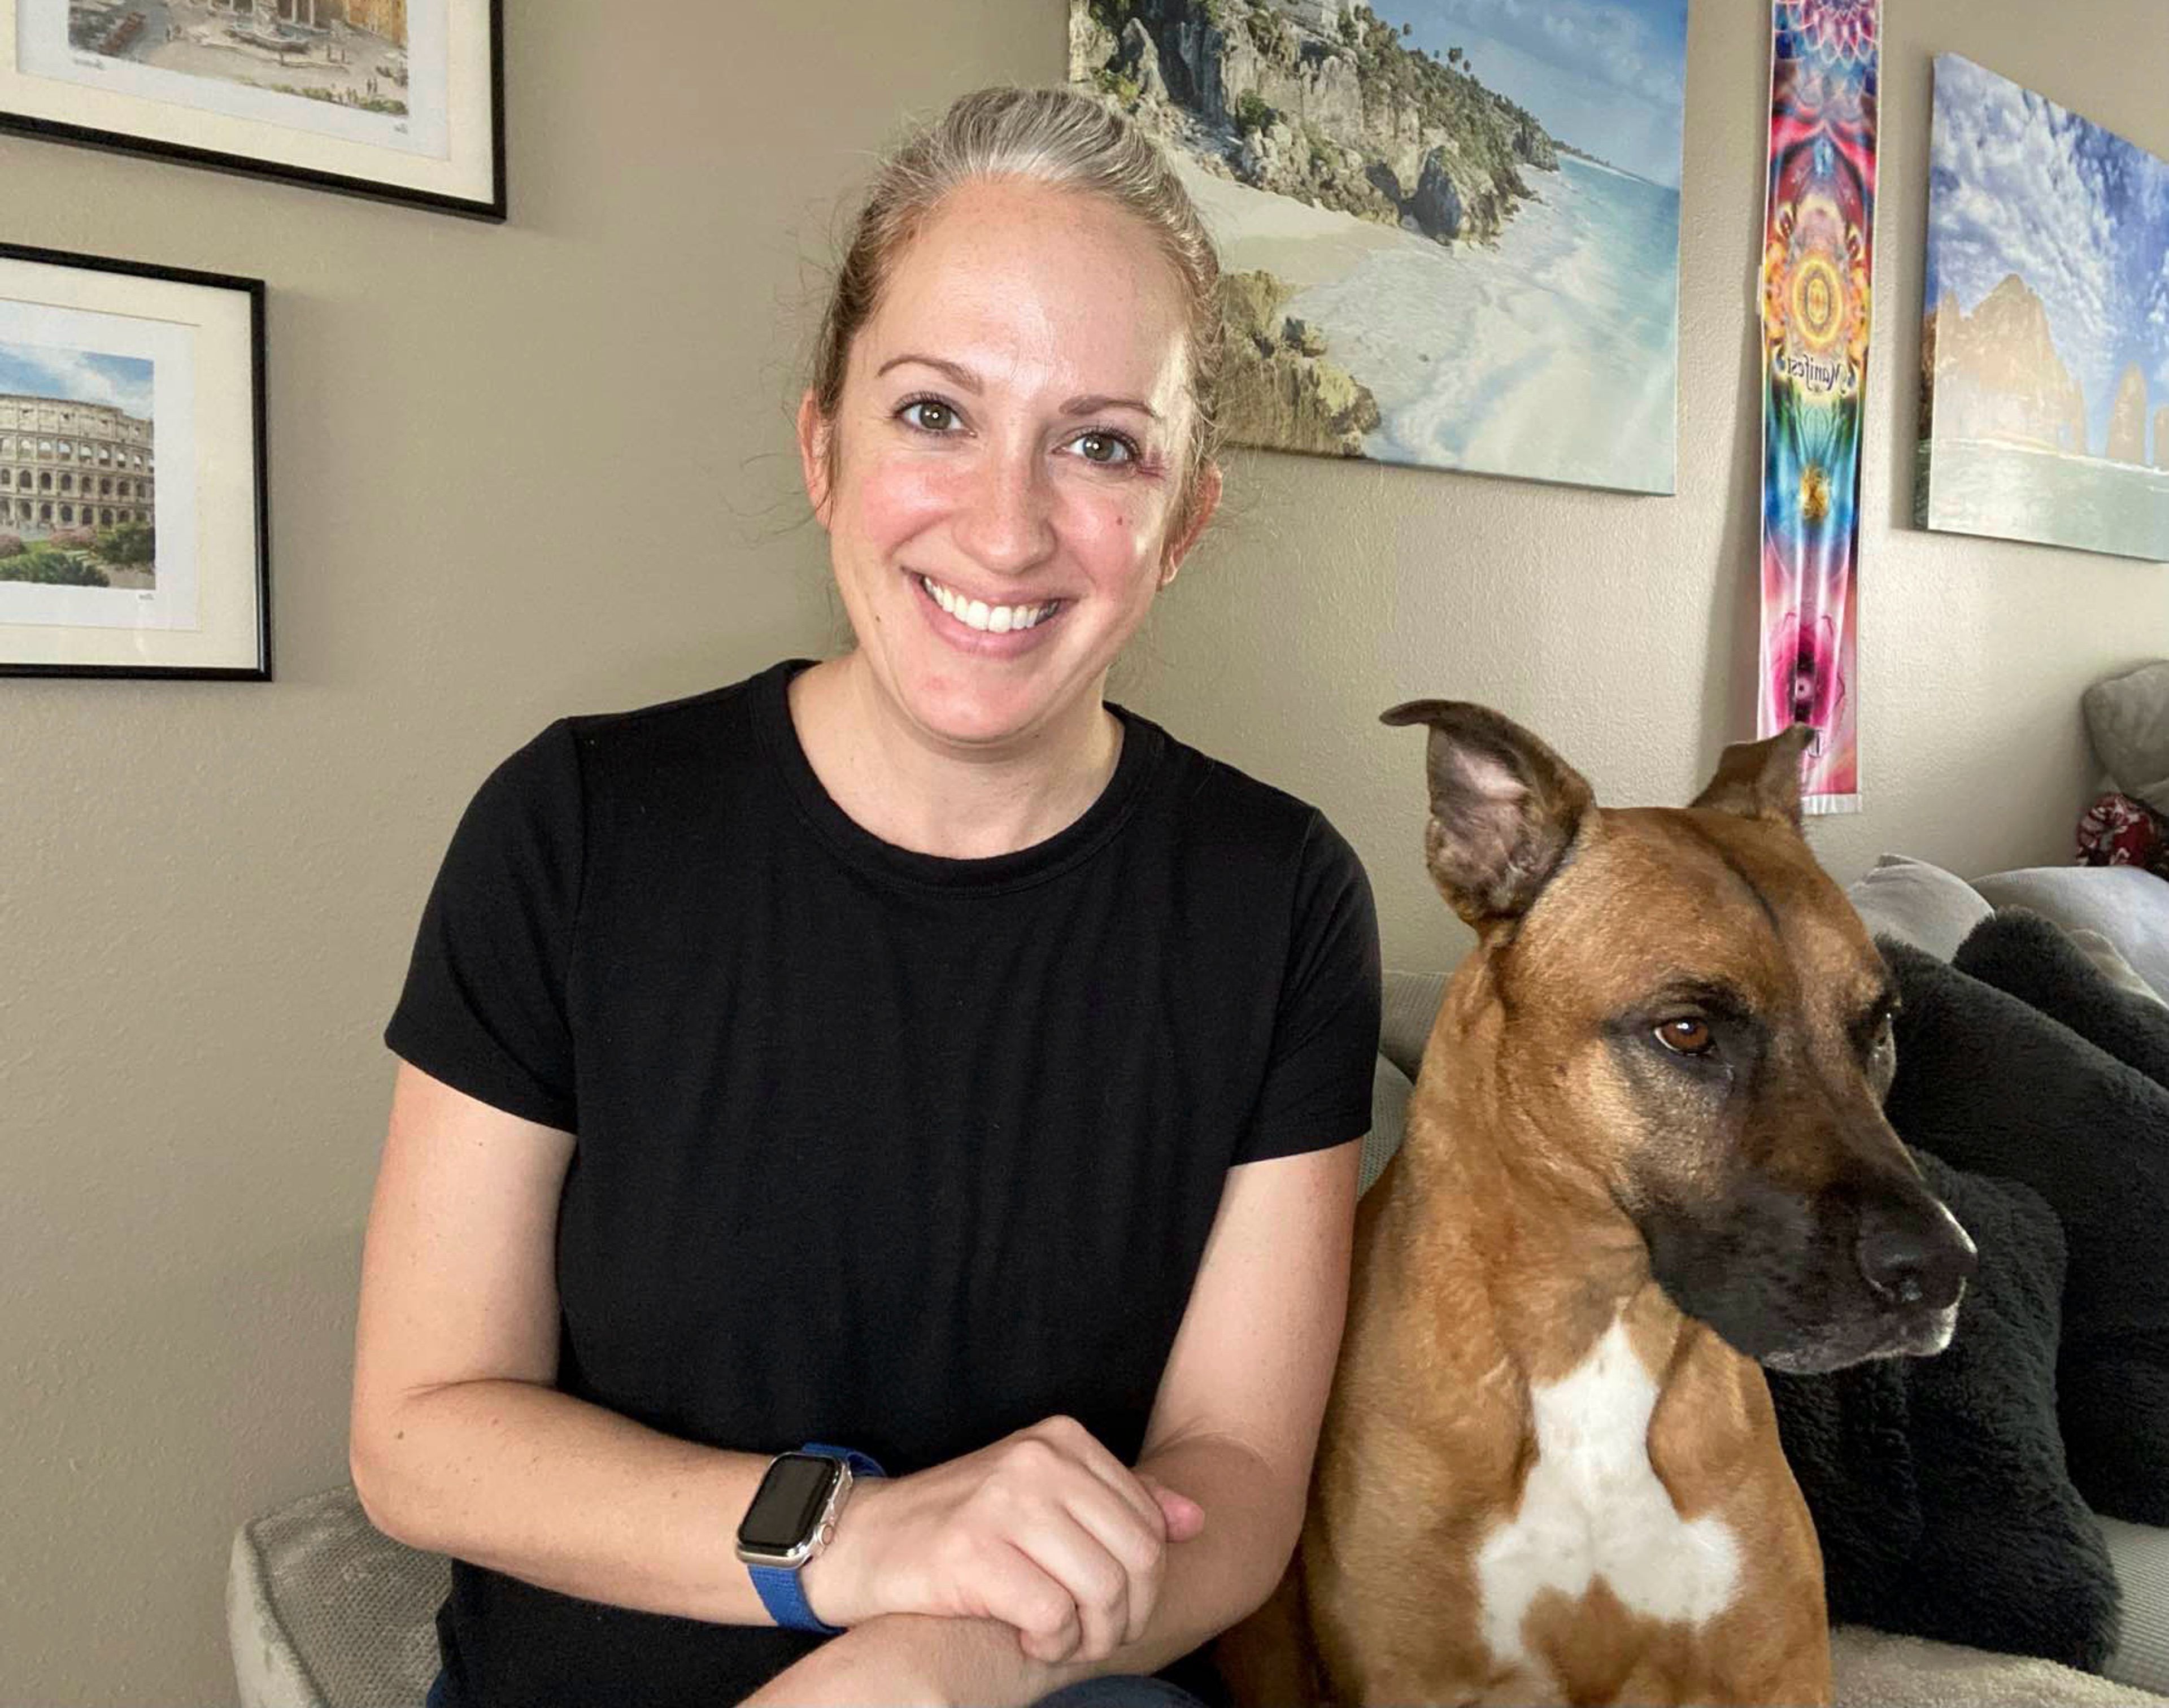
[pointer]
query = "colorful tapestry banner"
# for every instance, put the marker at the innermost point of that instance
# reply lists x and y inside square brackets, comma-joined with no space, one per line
[1817,252]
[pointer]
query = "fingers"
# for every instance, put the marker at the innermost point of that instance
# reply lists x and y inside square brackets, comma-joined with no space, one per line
[1016,1591]
[1103,1552]
[1072,1438]
[1185,1518]
[1046,1531]
[1132,1527]
[1101,1587]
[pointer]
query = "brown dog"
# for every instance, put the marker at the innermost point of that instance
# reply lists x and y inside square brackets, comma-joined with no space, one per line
[1646,1151]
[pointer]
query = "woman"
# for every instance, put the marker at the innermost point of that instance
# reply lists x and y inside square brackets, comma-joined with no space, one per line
[965,1074]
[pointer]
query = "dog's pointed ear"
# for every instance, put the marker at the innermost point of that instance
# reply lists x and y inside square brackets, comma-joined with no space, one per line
[1505,808]
[1761,779]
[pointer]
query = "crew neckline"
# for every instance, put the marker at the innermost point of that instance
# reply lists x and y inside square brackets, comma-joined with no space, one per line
[861,849]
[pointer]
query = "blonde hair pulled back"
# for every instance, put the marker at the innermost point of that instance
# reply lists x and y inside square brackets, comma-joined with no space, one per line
[1067,140]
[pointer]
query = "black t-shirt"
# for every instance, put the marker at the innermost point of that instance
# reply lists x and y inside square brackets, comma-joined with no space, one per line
[873,1147]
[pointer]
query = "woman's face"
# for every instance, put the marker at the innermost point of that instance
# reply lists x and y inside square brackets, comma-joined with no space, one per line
[1002,474]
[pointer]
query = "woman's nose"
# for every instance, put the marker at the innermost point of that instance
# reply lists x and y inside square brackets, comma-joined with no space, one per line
[1005,523]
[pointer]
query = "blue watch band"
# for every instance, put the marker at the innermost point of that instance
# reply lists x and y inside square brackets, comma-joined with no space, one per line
[778,1589]
[778,1586]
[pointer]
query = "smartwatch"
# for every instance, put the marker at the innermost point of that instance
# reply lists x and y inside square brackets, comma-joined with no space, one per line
[791,1519]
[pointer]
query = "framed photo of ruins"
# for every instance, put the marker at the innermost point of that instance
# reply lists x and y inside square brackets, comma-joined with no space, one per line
[133,528]
[398,99]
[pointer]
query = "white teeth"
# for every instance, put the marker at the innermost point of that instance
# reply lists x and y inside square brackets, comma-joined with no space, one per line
[977,614]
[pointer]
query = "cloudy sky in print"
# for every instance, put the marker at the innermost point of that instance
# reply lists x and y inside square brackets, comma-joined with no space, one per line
[1607,76]
[42,371]
[2018,184]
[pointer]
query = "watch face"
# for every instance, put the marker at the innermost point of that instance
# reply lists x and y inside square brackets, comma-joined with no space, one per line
[789,1503]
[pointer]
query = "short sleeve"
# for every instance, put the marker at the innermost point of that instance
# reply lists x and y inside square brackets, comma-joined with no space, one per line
[1317,1092]
[484,1005]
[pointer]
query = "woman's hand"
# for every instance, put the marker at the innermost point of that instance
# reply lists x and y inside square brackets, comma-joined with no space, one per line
[1046,1531]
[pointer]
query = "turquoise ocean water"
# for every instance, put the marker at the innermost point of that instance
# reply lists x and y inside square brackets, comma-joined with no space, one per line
[1552,355]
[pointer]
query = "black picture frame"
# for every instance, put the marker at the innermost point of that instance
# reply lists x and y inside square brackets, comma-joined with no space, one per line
[490,207]
[251,499]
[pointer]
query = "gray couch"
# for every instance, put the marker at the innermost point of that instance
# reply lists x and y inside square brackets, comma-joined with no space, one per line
[324,1612]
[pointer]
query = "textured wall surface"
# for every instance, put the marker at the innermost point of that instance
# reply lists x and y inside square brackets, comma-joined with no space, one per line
[544,469]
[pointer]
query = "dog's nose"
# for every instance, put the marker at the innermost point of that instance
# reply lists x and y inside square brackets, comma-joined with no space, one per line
[1915,1253]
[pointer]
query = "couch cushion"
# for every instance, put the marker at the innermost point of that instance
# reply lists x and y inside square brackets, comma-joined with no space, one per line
[319,1598]
[2140,1555]
[2114,967]
[2129,907]
[1992,1085]
[1389,1114]
[1872,1670]
[1938,1485]
[1411,1004]
[2127,716]
[1917,903]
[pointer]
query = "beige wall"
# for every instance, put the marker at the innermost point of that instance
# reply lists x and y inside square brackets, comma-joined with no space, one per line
[543,469]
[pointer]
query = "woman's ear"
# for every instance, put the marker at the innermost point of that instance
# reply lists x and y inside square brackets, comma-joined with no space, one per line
[1203,505]
[817,440]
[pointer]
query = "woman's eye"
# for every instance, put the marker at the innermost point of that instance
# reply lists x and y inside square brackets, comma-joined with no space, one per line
[1103,448]
[932,417]
[1686,1036]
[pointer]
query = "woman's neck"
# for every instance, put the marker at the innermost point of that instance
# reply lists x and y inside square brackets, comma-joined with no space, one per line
[914,791]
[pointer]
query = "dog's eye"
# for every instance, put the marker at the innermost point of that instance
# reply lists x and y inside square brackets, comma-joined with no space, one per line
[1687,1036]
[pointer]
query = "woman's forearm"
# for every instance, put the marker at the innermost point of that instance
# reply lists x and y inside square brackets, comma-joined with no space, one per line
[1253,1517]
[542,1486]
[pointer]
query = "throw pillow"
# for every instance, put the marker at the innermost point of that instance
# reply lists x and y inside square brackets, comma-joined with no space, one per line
[2032,959]
[1917,903]
[2127,716]
[1991,1084]
[1938,1485]
[2127,906]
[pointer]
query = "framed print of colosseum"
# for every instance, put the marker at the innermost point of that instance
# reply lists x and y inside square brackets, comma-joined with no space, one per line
[399,99]
[133,537]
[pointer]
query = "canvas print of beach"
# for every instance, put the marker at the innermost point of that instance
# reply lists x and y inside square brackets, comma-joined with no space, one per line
[1450,228]
[77,475]
[2044,355]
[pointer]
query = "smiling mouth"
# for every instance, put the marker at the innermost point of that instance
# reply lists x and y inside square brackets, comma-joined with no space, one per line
[977,614]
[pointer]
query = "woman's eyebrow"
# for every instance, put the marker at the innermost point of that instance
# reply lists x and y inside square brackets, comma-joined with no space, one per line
[957,373]
[1094,403]
[1091,403]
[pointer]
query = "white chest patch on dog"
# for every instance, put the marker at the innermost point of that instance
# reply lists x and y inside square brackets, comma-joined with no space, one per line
[1593,1508]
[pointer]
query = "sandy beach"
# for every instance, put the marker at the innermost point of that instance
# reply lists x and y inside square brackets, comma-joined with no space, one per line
[1550,354]
[1299,244]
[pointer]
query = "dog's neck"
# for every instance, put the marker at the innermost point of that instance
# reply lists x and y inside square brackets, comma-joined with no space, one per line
[1562,1261]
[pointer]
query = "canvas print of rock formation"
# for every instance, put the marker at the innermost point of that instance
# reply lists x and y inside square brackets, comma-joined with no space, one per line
[1450,227]
[2044,357]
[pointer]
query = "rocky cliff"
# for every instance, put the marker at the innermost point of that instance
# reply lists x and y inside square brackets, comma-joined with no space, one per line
[1277,388]
[1319,100]
[2127,420]
[1997,374]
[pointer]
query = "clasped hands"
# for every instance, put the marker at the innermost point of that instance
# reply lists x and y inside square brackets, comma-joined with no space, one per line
[1046,1531]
